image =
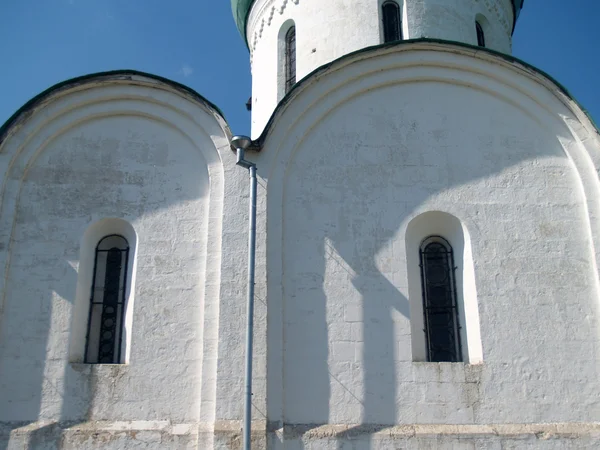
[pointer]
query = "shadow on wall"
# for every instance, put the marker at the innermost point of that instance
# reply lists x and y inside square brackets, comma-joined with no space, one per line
[347,346]
[85,174]
[30,361]
[58,374]
[366,376]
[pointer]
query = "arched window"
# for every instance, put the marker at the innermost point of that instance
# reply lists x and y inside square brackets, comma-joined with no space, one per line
[290,59]
[392,23]
[440,308]
[107,301]
[480,35]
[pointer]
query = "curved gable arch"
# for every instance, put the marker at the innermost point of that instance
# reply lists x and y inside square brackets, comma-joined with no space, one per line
[311,125]
[536,96]
[25,136]
[164,150]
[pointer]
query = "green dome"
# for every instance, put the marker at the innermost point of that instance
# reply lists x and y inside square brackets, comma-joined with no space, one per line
[241,9]
[517,6]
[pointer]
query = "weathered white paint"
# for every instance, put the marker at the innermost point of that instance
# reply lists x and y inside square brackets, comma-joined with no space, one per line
[327,30]
[351,159]
[136,149]
[356,155]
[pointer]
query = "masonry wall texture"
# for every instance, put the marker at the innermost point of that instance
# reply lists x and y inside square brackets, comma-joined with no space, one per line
[380,140]
[350,161]
[327,30]
[133,148]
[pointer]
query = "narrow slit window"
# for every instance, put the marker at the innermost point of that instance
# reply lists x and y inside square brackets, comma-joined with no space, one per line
[107,301]
[392,23]
[480,35]
[290,59]
[440,309]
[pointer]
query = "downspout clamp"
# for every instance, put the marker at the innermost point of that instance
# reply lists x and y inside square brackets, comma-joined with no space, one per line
[241,143]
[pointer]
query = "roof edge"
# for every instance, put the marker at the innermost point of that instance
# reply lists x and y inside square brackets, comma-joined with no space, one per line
[112,74]
[258,143]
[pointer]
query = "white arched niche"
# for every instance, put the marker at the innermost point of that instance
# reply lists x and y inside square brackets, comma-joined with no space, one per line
[485,27]
[437,223]
[87,255]
[282,57]
[403,18]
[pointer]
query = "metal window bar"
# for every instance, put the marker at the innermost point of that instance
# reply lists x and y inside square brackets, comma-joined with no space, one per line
[480,35]
[290,59]
[107,302]
[392,23]
[440,308]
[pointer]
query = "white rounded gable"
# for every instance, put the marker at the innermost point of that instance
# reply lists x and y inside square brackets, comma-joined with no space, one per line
[78,163]
[380,139]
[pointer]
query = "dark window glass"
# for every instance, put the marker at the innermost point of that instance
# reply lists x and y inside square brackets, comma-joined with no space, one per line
[439,300]
[107,301]
[480,35]
[392,24]
[290,59]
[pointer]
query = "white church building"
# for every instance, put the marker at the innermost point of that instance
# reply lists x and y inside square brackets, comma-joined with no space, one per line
[427,246]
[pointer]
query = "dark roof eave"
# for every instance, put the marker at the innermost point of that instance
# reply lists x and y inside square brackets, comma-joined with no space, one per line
[113,74]
[259,142]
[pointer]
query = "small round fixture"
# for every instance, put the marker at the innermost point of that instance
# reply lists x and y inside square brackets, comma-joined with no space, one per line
[242,142]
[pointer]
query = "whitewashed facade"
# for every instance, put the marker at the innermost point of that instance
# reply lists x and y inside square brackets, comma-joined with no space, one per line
[362,161]
[327,30]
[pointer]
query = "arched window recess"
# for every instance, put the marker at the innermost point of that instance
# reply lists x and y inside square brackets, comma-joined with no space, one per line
[107,301]
[290,59]
[440,306]
[392,21]
[480,35]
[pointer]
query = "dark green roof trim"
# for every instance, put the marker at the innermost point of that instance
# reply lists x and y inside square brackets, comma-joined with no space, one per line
[99,76]
[241,11]
[517,7]
[258,143]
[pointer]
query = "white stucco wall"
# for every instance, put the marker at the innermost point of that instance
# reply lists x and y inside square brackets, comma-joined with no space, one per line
[327,30]
[131,149]
[349,162]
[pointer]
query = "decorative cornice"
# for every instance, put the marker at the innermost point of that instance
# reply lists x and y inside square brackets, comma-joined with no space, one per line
[265,13]
[242,10]
[262,13]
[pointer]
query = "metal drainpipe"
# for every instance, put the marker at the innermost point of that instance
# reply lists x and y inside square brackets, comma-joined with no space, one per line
[241,143]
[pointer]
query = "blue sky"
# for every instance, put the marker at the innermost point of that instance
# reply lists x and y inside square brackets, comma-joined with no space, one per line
[195,42]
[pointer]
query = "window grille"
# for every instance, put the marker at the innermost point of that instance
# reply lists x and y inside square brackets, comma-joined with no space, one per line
[440,307]
[107,301]
[480,35]
[392,24]
[290,59]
